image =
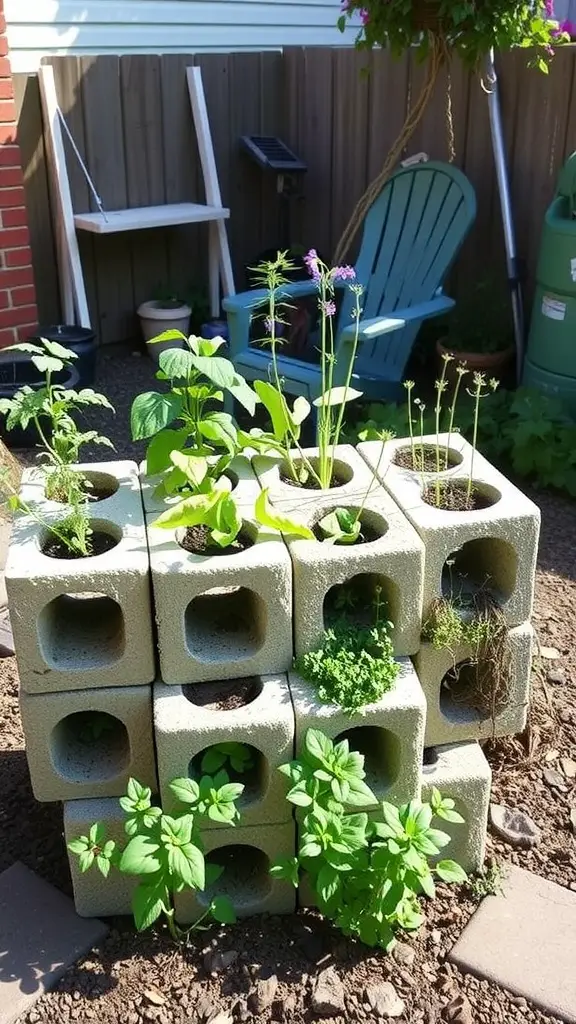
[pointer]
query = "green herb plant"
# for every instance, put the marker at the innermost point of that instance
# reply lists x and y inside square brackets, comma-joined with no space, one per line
[192,441]
[237,756]
[50,409]
[164,852]
[367,876]
[355,665]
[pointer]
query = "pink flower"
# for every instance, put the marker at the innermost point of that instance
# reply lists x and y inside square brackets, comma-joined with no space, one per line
[311,261]
[343,274]
[364,16]
[569,27]
[328,307]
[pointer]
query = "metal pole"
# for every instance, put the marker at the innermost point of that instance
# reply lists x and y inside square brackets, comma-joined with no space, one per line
[512,261]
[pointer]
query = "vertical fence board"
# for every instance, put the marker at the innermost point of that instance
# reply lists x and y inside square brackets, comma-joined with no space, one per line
[349,142]
[35,170]
[272,230]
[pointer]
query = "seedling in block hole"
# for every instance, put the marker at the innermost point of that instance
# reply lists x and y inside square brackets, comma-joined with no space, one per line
[164,851]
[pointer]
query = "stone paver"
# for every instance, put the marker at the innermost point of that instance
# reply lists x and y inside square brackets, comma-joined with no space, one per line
[525,940]
[40,937]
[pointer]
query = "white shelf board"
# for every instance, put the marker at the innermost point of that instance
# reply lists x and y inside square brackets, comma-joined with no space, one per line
[140,217]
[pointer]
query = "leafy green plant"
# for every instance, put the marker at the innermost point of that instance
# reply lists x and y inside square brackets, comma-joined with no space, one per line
[355,665]
[165,852]
[330,405]
[192,444]
[487,882]
[468,29]
[238,756]
[366,875]
[60,442]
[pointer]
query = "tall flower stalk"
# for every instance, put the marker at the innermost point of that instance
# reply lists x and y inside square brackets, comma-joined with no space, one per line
[461,370]
[481,389]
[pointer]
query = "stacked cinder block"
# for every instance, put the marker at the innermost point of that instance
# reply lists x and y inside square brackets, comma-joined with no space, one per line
[84,644]
[493,547]
[96,708]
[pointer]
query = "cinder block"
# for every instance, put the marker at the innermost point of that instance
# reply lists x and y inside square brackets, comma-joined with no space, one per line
[461,771]
[382,456]
[393,561]
[247,855]
[351,471]
[74,753]
[119,477]
[184,730]
[389,733]
[493,547]
[85,622]
[222,616]
[245,485]
[94,895]
[451,718]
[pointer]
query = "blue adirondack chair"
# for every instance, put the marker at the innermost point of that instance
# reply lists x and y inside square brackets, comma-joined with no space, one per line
[412,234]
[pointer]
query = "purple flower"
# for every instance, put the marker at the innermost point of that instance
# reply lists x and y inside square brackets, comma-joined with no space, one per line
[343,274]
[311,261]
[569,27]
[549,8]
[328,307]
[364,16]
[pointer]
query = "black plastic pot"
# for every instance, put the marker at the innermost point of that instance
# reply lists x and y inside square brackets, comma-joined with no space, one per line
[80,340]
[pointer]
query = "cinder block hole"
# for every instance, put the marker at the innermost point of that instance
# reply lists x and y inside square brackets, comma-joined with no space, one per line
[462,693]
[372,525]
[81,631]
[342,473]
[252,772]
[382,752]
[89,746]
[226,695]
[488,565]
[225,624]
[99,486]
[430,760]
[245,878]
[362,599]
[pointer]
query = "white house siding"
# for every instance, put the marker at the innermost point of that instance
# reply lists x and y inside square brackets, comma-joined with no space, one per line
[37,28]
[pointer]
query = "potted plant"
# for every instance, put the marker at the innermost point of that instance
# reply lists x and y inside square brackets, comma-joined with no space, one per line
[167,312]
[480,332]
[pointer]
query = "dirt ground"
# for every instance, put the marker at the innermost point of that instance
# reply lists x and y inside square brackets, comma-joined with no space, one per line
[135,979]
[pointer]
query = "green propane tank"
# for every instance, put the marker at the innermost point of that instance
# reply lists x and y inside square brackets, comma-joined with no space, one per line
[550,364]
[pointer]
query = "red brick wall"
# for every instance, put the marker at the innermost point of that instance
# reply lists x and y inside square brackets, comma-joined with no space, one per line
[18,313]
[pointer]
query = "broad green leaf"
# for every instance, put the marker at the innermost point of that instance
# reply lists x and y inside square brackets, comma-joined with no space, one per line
[25,346]
[337,396]
[186,791]
[231,791]
[97,834]
[47,364]
[222,910]
[338,530]
[177,364]
[449,815]
[196,872]
[328,883]
[194,467]
[439,838]
[147,905]
[213,759]
[450,871]
[79,845]
[103,865]
[86,860]
[140,857]
[359,794]
[427,883]
[153,411]
[220,428]
[160,447]
[243,393]
[273,400]
[318,746]
[170,335]
[216,369]
[300,410]
[224,519]
[58,351]
[392,819]
[299,797]
[179,864]
[268,516]
[189,512]
[310,848]
[209,346]
[224,812]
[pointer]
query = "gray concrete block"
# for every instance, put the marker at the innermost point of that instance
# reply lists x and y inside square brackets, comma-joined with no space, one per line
[246,855]
[184,730]
[394,561]
[461,771]
[87,743]
[494,546]
[353,474]
[94,895]
[85,622]
[389,733]
[243,480]
[40,938]
[451,718]
[222,616]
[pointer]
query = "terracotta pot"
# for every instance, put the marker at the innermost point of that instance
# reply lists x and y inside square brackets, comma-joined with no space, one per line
[491,363]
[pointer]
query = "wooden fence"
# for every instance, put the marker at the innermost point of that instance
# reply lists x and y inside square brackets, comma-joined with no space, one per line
[131,120]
